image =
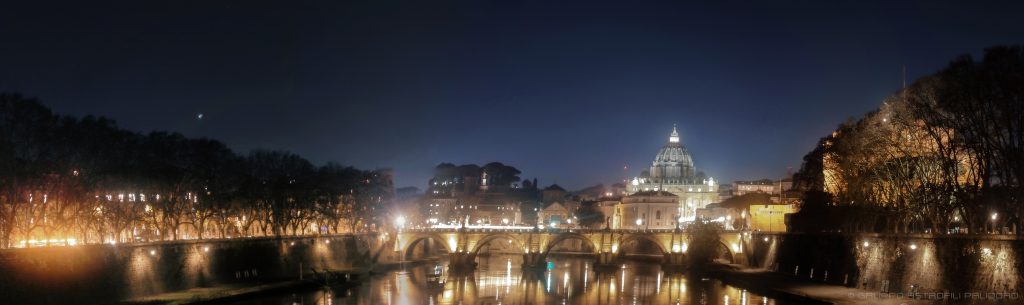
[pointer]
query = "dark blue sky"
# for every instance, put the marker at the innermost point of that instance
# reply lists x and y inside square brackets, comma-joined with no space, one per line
[566,92]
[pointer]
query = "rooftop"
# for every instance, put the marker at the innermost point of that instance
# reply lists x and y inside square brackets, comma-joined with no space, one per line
[652,193]
[554,187]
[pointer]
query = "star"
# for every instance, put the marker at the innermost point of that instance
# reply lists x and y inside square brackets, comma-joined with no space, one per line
[199,116]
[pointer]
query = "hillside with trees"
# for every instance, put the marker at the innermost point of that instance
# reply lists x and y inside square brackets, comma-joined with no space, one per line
[943,155]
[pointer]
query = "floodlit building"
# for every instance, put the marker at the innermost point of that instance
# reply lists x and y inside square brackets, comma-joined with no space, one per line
[644,210]
[770,217]
[554,215]
[764,186]
[673,171]
[608,206]
[775,188]
[496,213]
[442,211]
[473,210]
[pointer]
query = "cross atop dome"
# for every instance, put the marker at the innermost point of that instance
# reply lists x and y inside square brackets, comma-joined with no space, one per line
[674,137]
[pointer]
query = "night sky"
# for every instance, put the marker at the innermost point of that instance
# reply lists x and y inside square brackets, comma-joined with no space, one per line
[566,92]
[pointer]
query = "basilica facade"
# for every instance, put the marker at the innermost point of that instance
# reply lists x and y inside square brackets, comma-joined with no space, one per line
[673,171]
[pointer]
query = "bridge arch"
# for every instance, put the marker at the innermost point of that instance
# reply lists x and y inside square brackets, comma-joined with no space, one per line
[643,237]
[567,236]
[726,252]
[491,237]
[412,241]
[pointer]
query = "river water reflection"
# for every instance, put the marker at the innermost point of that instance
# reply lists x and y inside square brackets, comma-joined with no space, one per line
[499,280]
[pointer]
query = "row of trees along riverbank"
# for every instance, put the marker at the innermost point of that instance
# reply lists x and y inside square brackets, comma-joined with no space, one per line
[65,180]
[943,155]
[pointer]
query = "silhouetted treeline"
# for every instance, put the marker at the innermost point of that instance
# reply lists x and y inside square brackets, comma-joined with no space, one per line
[66,180]
[944,155]
[469,178]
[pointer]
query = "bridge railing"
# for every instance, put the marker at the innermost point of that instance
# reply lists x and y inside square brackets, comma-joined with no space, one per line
[547,230]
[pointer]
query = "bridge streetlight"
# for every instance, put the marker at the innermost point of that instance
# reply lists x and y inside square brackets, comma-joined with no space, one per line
[400,221]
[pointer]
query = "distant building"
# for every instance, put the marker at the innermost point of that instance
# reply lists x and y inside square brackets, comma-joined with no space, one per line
[647,210]
[730,218]
[496,213]
[473,210]
[553,215]
[553,193]
[528,211]
[442,211]
[779,190]
[765,186]
[608,207]
[673,171]
[770,217]
[473,195]
[725,191]
[595,193]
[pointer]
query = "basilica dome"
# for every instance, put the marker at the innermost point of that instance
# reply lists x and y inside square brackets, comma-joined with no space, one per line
[673,163]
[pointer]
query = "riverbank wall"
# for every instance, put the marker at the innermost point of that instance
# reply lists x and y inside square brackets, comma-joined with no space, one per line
[969,266]
[97,274]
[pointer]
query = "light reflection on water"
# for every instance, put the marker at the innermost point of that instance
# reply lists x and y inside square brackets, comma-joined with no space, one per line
[499,280]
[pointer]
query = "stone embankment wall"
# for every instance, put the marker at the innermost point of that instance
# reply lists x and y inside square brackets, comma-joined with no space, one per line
[94,274]
[918,263]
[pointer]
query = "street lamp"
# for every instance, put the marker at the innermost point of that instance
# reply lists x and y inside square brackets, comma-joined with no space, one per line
[400,221]
[638,223]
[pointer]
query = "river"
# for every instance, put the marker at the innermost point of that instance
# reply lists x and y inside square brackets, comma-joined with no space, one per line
[499,280]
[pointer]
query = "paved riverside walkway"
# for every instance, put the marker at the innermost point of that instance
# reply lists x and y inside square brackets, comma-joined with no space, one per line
[219,293]
[223,293]
[783,284]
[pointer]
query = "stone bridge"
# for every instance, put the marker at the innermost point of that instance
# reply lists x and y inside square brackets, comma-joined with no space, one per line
[463,245]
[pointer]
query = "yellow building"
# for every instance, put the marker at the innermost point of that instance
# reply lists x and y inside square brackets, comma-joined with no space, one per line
[770,217]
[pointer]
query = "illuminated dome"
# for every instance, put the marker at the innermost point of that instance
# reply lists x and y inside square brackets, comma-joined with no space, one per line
[673,163]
